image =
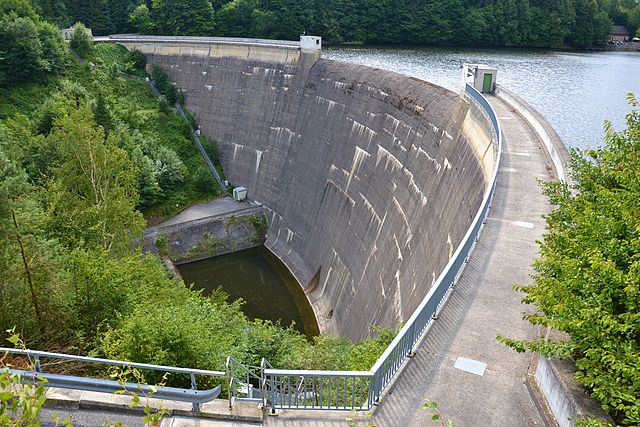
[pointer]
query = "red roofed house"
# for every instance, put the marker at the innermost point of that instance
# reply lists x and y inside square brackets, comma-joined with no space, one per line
[619,33]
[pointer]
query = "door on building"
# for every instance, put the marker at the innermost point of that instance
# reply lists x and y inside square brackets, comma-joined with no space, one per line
[486,84]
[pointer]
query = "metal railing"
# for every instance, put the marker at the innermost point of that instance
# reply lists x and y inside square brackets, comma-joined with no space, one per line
[313,389]
[298,389]
[196,139]
[245,383]
[192,395]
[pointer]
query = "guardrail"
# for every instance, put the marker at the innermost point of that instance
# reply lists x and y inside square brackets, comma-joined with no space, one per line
[299,389]
[193,395]
[316,389]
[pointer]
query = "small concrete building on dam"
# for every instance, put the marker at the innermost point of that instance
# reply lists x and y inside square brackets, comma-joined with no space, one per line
[370,179]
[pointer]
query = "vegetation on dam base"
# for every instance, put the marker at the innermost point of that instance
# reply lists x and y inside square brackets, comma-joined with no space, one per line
[84,153]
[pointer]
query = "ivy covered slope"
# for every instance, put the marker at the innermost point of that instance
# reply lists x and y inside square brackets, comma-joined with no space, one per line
[84,155]
[587,280]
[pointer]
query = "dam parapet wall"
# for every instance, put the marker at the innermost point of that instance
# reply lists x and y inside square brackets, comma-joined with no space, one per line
[270,51]
[370,179]
[557,152]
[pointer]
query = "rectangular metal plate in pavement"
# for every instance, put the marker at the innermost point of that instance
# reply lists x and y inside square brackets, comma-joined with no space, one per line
[470,365]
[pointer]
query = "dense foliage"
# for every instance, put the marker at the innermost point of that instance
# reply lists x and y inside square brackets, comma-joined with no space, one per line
[29,48]
[81,40]
[540,23]
[587,281]
[83,155]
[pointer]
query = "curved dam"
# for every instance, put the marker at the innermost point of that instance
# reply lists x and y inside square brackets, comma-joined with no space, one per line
[370,178]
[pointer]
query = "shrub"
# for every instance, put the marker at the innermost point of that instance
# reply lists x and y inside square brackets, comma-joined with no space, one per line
[586,280]
[81,41]
[137,58]
[163,84]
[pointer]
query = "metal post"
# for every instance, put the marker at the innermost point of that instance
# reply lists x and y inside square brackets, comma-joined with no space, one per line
[195,407]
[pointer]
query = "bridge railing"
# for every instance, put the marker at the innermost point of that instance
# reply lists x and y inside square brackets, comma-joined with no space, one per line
[298,389]
[36,373]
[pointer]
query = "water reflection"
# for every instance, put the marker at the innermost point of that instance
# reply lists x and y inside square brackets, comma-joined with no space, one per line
[575,91]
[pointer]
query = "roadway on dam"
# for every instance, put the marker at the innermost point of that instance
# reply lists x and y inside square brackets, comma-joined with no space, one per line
[482,306]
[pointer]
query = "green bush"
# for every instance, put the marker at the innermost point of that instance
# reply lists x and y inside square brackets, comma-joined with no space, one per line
[163,84]
[138,59]
[586,279]
[81,42]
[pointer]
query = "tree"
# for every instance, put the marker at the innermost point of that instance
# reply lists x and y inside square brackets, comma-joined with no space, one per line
[140,18]
[20,49]
[81,41]
[591,26]
[586,281]
[119,11]
[22,8]
[93,192]
[53,50]
[185,17]
[54,11]
[32,286]
[93,13]
[162,82]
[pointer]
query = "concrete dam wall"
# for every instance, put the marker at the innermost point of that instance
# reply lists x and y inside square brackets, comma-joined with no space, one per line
[370,178]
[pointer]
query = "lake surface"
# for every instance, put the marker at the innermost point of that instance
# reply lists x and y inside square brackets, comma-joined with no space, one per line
[575,91]
[258,277]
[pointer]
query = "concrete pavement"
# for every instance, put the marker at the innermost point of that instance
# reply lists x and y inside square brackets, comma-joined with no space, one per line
[482,306]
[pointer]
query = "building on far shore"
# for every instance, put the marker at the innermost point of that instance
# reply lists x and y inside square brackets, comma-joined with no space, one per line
[619,33]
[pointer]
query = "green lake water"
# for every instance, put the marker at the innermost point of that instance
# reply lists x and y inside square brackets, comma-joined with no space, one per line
[258,277]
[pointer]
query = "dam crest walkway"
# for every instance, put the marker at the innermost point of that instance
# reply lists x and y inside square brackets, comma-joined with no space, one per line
[475,380]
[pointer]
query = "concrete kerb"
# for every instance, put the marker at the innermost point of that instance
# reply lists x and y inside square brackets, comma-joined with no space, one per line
[552,143]
[217,409]
[557,395]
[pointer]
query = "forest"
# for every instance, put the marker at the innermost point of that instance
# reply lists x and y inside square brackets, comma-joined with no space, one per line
[89,157]
[515,23]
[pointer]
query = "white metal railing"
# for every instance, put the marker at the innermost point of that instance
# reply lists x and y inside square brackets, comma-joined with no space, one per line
[299,389]
[193,395]
[313,389]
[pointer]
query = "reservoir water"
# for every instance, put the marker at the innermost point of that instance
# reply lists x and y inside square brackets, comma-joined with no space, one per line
[258,277]
[575,91]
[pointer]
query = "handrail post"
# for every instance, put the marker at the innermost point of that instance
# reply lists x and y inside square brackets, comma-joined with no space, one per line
[229,381]
[195,407]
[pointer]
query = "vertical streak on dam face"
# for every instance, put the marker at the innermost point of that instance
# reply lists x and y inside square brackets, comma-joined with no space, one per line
[370,176]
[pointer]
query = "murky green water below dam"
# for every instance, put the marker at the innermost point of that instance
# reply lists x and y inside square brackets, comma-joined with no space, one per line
[258,277]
